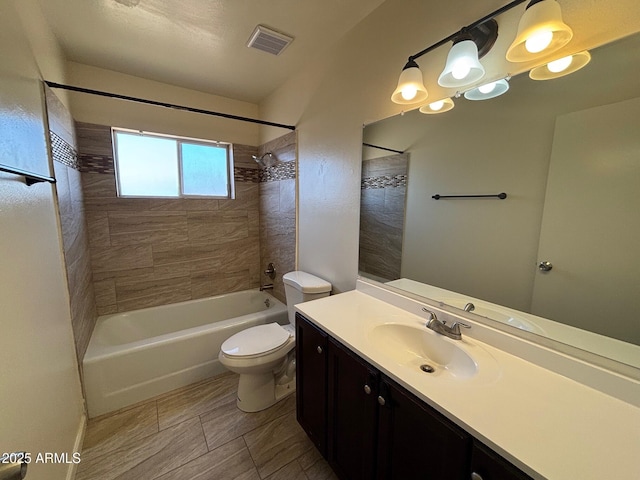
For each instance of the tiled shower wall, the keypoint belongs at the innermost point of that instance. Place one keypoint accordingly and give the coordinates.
(72, 222)
(149, 251)
(384, 184)
(278, 210)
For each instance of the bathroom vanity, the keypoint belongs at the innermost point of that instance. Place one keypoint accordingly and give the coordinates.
(381, 396)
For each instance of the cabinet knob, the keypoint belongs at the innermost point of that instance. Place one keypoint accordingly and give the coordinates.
(475, 476)
(319, 349)
(381, 400)
(367, 389)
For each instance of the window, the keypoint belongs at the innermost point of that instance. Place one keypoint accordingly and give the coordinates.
(154, 165)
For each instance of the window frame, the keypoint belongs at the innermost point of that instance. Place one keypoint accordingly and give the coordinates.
(179, 141)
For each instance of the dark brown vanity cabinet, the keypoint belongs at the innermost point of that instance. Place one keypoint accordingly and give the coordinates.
(311, 381)
(369, 427)
(488, 465)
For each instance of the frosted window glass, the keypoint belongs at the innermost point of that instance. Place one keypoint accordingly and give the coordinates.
(204, 170)
(147, 166)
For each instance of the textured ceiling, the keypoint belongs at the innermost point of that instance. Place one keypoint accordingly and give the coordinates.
(200, 44)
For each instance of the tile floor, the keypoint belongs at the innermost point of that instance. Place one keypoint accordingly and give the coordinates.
(198, 433)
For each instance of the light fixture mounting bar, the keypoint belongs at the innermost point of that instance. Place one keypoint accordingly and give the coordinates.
(451, 37)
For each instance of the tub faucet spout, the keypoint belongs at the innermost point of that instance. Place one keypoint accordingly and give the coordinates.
(266, 287)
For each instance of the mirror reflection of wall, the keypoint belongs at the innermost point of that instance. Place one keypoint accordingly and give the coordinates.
(382, 205)
(488, 248)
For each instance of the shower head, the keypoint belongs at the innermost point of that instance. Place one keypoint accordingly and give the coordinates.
(266, 160)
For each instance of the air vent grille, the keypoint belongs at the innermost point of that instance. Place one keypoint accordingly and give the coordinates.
(268, 40)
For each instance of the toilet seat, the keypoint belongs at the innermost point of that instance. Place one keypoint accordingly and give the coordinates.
(256, 341)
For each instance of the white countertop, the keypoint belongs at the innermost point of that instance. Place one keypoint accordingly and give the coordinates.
(550, 426)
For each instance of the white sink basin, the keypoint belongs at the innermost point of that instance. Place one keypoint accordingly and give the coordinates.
(414, 347)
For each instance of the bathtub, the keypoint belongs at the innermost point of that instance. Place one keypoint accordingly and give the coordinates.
(137, 355)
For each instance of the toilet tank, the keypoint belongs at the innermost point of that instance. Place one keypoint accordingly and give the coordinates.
(301, 287)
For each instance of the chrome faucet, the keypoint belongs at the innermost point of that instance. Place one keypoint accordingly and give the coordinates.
(266, 287)
(440, 326)
(469, 307)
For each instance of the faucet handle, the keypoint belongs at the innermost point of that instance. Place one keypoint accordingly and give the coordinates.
(456, 326)
(432, 316)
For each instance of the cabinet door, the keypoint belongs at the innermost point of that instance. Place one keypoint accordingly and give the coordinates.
(352, 414)
(311, 381)
(416, 442)
(488, 465)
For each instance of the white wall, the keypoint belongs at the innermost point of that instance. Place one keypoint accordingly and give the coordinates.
(121, 113)
(41, 406)
(351, 85)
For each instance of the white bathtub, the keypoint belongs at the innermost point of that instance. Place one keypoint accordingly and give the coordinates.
(137, 355)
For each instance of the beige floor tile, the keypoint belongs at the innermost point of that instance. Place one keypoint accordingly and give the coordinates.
(315, 467)
(146, 458)
(228, 422)
(291, 471)
(309, 458)
(108, 432)
(277, 443)
(231, 461)
(320, 471)
(196, 400)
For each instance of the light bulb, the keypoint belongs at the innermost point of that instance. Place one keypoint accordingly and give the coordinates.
(435, 106)
(460, 70)
(409, 92)
(560, 65)
(538, 41)
(487, 88)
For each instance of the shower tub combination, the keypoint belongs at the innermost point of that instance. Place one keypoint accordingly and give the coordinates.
(137, 355)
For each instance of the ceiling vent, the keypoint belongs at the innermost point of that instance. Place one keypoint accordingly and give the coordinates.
(268, 40)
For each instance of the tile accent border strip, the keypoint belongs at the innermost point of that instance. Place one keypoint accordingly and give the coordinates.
(246, 175)
(63, 152)
(281, 171)
(96, 164)
(384, 181)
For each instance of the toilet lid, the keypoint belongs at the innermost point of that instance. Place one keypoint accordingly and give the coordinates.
(255, 340)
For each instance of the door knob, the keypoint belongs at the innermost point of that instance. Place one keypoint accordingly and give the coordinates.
(545, 266)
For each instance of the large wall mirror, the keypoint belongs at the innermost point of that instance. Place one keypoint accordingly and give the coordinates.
(567, 153)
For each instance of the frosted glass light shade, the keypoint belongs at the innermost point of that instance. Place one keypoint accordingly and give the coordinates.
(488, 90)
(410, 87)
(440, 106)
(541, 31)
(462, 67)
(543, 72)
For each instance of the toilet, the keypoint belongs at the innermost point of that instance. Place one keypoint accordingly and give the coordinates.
(264, 355)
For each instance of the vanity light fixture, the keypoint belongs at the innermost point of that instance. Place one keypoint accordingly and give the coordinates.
(561, 67)
(410, 87)
(482, 33)
(463, 65)
(440, 106)
(488, 90)
(541, 31)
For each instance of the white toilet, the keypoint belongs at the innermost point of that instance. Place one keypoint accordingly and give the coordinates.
(264, 355)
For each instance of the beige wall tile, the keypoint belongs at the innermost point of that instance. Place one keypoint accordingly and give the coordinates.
(105, 292)
(147, 227)
(105, 259)
(142, 244)
(98, 185)
(132, 294)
